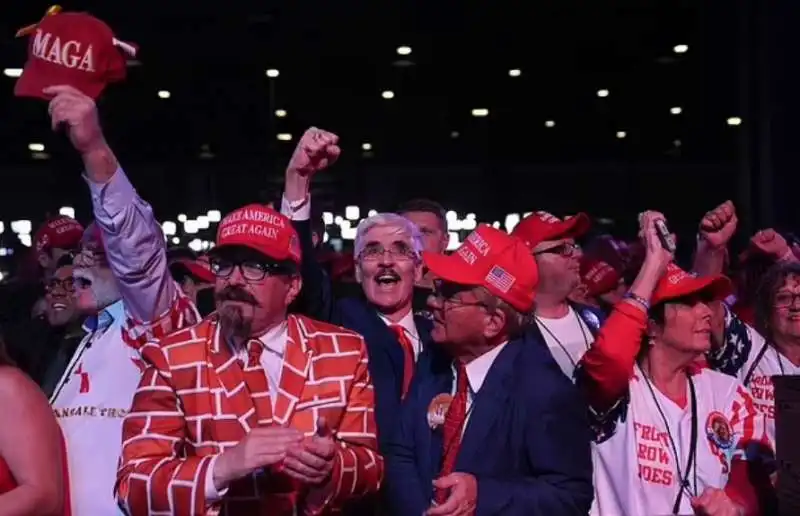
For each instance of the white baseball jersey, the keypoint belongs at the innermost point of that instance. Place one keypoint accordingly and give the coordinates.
(645, 440)
(746, 355)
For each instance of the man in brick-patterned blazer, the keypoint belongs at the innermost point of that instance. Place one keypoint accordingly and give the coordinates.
(251, 411)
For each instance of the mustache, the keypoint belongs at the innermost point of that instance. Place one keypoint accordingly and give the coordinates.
(387, 271)
(236, 294)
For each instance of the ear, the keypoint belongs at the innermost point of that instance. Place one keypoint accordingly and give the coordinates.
(653, 329)
(315, 238)
(495, 323)
(293, 290)
(44, 260)
(418, 272)
(357, 271)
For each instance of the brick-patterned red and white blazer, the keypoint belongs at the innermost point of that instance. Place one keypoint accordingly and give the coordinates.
(193, 403)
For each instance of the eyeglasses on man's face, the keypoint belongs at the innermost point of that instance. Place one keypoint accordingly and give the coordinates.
(251, 270)
(566, 249)
(399, 251)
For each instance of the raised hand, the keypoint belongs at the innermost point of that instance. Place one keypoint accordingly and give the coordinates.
(656, 257)
(771, 243)
(316, 150)
(718, 225)
(79, 113)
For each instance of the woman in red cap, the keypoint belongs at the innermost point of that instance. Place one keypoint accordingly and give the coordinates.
(31, 450)
(670, 437)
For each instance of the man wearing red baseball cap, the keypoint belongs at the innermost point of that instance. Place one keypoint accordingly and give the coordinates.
(196, 280)
(294, 430)
(122, 282)
(567, 328)
(601, 285)
(55, 238)
(494, 396)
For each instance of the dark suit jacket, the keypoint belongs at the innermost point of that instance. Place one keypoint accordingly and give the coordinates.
(355, 313)
(527, 441)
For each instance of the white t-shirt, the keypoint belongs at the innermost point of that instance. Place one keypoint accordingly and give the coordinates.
(568, 338)
(635, 463)
(90, 403)
(746, 355)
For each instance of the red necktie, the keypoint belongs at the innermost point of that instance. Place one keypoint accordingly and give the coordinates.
(453, 426)
(256, 380)
(408, 356)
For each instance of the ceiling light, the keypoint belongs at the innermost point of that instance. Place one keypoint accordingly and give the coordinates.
(164, 94)
(214, 215)
(273, 72)
(455, 134)
(403, 51)
(280, 113)
(12, 72)
(176, 240)
(675, 111)
(550, 123)
(680, 49)
(67, 211)
(366, 146)
(734, 120)
(602, 93)
(621, 134)
(388, 94)
(36, 147)
(514, 72)
(480, 112)
(284, 137)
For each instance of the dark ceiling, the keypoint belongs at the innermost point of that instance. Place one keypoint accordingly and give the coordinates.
(335, 59)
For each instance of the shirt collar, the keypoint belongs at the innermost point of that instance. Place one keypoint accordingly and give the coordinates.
(275, 338)
(479, 367)
(106, 317)
(407, 323)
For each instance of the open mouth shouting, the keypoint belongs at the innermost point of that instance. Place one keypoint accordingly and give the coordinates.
(387, 279)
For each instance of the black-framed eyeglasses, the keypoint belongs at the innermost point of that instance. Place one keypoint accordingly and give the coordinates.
(786, 299)
(66, 284)
(251, 270)
(399, 251)
(566, 249)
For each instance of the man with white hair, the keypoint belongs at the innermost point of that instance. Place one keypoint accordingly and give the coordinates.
(387, 252)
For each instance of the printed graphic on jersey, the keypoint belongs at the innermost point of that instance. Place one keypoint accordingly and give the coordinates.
(437, 410)
(718, 430)
(652, 451)
(84, 379)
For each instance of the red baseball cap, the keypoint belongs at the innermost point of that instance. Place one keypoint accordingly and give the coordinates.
(677, 283)
(492, 259)
(75, 49)
(262, 229)
(598, 276)
(542, 226)
(58, 233)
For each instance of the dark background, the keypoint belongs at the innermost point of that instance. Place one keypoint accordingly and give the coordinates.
(213, 144)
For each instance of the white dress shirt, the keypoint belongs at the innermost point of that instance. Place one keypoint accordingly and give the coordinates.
(476, 375)
(274, 342)
(410, 329)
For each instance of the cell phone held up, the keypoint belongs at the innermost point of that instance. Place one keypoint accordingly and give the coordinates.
(667, 242)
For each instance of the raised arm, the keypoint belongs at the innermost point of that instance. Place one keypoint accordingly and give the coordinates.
(131, 235)
(605, 370)
(315, 151)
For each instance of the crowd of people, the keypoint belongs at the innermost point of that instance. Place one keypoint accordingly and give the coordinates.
(519, 374)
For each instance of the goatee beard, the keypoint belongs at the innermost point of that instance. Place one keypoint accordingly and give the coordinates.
(235, 327)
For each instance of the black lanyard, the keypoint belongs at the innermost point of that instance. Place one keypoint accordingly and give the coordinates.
(562, 346)
(691, 462)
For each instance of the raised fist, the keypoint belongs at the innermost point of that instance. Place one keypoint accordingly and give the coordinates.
(316, 150)
(79, 113)
(719, 225)
(771, 243)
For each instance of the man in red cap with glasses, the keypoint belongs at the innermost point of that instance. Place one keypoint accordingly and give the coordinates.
(496, 428)
(122, 282)
(567, 328)
(273, 413)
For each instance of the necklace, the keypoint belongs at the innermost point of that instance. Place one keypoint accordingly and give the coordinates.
(691, 463)
(560, 344)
